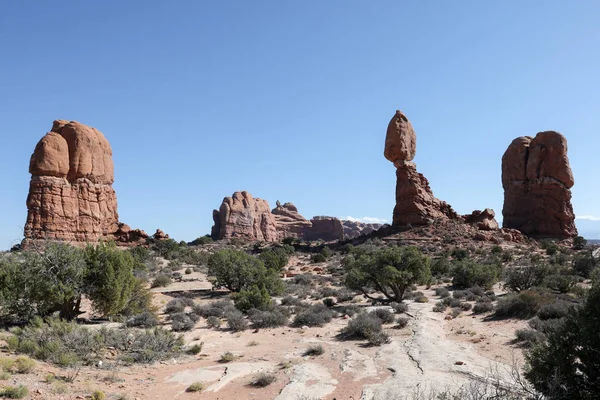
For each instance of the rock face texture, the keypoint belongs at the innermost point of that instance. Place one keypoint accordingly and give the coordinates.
(325, 228)
(354, 229)
(415, 202)
(242, 216)
(70, 194)
(537, 181)
(484, 220)
(289, 222)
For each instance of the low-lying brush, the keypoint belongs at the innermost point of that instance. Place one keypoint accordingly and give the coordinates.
(315, 350)
(146, 319)
(399, 308)
(524, 305)
(161, 280)
(69, 344)
(14, 392)
(263, 379)
(316, 315)
(270, 318)
(236, 321)
(442, 292)
(481, 308)
(529, 337)
(181, 322)
(384, 315)
(365, 326)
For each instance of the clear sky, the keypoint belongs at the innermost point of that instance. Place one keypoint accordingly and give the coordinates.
(290, 100)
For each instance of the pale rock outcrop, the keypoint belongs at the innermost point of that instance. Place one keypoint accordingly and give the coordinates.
(289, 222)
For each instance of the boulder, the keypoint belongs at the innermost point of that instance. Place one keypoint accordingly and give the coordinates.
(484, 220)
(242, 216)
(537, 181)
(325, 228)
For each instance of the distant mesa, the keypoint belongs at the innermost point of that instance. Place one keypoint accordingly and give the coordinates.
(537, 181)
(71, 197)
(246, 217)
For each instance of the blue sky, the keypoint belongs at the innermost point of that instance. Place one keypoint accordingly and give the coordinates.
(291, 100)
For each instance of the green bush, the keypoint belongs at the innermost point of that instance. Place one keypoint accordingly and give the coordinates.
(584, 264)
(364, 326)
(253, 297)
(146, 319)
(315, 350)
(440, 267)
(442, 292)
(524, 305)
(401, 322)
(468, 273)
(525, 277)
(579, 242)
(274, 259)
(237, 271)
(389, 271)
(181, 322)
(201, 241)
(566, 365)
(481, 308)
(195, 387)
(529, 337)
(14, 392)
(161, 280)
(399, 308)
(549, 245)
(560, 283)
(384, 315)
(460, 254)
(329, 302)
(213, 322)
(195, 349)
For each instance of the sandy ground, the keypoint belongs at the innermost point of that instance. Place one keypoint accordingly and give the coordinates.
(430, 352)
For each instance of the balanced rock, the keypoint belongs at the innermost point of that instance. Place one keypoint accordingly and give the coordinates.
(415, 202)
(242, 216)
(289, 222)
(537, 181)
(70, 193)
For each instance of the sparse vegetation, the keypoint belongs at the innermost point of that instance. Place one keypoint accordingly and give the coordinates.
(316, 315)
(227, 357)
(365, 326)
(263, 379)
(161, 280)
(315, 350)
(195, 387)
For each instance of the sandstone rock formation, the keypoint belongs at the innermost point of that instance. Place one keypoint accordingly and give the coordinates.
(537, 179)
(354, 229)
(242, 216)
(289, 222)
(325, 228)
(484, 220)
(130, 237)
(415, 202)
(70, 194)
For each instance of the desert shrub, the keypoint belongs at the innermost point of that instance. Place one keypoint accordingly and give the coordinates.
(460, 294)
(290, 301)
(525, 277)
(195, 349)
(442, 292)
(98, 395)
(213, 322)
(237, 271)
(524, 305)
(271, 318)
(466, 306)
(350, 310)
(467, 273)
(69, 344)
(399, 308)
(560, 283)
(329, 302)
(236, 321)
(263, 379)
(14, 392)
(343, 295)
(195, 387)
(146, 319)
(214, 309)
(440, 267)
(227, 357)
(584, 264)
(566, 365)
(421, 299)
(188, 271)
(315, 350)
(175, 305)
(181, 322)
(316, 315)
(546, 326)
(201, 241)
(401, 322)
(304, 279)
(549, 245)
(22, 365)
(481, 308)
(362, 326)
(529, 337)
(389, 271)
(579, 242)
(451, 302)
(556, 309)
(161, 280)
(378, 338)
(110, 278)
(253, 297)
(274, 259)
(496, 249)
(384, 315)
(439, 307)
